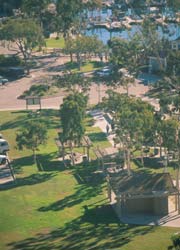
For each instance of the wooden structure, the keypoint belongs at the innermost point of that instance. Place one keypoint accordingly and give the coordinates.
(106, 157)
(63, 146)
(142, 193)
(33, 100)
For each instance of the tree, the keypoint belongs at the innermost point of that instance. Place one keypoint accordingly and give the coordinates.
(169, 135)
(152, 45)
(73, 82)
(174, 4)
(93, 4)
(39, 11)
(68, 12)
(72, 113)
(134, 121)
(22, 35)
(8, 6)
(125, 60)
(176, 240)
(83, 47)
(168, 92)
(35, 8)
(125, 54)
(31, 136)
(173, 65)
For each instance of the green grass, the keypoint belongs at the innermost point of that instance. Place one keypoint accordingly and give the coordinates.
(62, 208)
(85, 67)
(55, 43)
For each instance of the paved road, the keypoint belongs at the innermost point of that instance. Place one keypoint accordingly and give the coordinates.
(48, 66)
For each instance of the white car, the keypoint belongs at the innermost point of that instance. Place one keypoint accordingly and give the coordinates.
(3, 159)
(106, 71)
(4, 146)
(3, 80)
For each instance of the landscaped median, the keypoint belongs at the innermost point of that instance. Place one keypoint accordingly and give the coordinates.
(63, 208)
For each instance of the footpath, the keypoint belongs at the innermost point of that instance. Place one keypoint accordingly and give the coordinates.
(102, 123)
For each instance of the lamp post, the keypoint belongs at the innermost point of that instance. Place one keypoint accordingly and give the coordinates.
(165, 163)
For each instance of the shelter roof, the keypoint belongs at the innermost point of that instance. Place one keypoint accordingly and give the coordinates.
(103, 152)
(141, 183)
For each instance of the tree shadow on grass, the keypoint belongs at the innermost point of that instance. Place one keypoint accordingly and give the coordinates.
(82, 193)
(87, 174)
(97, 229)
(50, 118)
(29, 180)
(19, 163)
(15, 123)
(90, 185)
(49, 162)
(45, 162)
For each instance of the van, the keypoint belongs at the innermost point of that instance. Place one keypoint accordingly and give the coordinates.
(4, 146)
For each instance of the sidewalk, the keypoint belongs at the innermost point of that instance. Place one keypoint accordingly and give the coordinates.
(101, 122)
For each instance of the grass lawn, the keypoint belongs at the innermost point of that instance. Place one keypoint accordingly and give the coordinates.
(85, 67)
(63, 209)
(55, 43)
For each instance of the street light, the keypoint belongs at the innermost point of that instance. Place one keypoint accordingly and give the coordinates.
(165, 163)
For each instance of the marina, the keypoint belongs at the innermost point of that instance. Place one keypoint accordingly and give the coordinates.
(106, 23)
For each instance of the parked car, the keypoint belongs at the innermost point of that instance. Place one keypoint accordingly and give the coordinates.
(106, 71)
(4, 146)
(17, 72)
(3, 80)
(3, 159)
(12, 72)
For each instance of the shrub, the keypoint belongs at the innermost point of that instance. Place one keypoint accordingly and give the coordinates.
(176, 240)
(35, 90)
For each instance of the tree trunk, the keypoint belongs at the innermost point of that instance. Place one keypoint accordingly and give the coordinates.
(178, 172)
(63, 155)
(128, 162)
(125, 159)
(127, 89)
(142, 157)
(34, 156)
(165, 160)
(78, 60)
(72, 155)
(71, 56)
(160, 149)
(26, 64)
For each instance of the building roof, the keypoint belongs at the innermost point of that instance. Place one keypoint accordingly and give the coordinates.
(141, 183)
